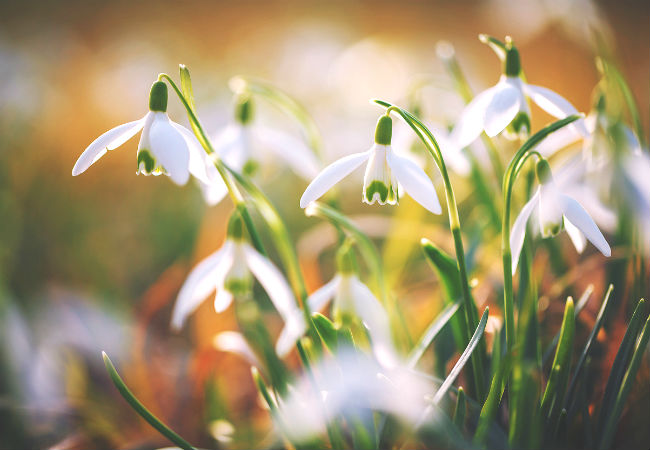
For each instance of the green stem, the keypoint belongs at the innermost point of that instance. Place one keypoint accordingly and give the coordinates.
(471, 319)
(141, 409)
(508, 182)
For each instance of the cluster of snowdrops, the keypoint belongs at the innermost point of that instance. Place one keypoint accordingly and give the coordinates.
(356, 389)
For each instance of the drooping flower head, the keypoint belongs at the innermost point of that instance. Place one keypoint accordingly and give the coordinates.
(386, 174)
(505, 105)
(165, 147)
(556, 211)
(230, 271)
(354, 302)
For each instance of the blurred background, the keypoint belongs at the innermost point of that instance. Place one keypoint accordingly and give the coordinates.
(95, 262)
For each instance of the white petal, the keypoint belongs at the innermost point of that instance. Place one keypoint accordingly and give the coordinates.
(550, 209)
(375, 318)
(578, 239)
(453, 156)
(233, 342)
(331, 175)
(320, 297)
(581, 219)
(415, 182)
(558, 140)
(169, 148)
(503, 107)
(294, 328)
(296, 153)
(518, 232)
(272, 281)
(232, 144)
(107, 141)
(555, 105)
(199, 159)
(202, 280)
(222, 300)
(470, 124)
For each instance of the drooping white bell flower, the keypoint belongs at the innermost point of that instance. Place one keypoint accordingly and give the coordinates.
(244, 143)
(505, 105)
(165, 147)
(556, 210)
(230, 272)
(353, 299)
(384, 171)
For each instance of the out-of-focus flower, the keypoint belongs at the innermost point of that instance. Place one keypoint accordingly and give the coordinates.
(384, 171)
(352, 386)
(234, 342)
(229, 270)
(555, 211)
(505, 104)
(165, 147)
(352, 298)
(244, 143)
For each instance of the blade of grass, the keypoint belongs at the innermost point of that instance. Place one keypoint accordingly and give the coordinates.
(577, 375)
(582, 302)
(626, 386)
(553, 397)
(141, 409)
(620, 362)
(460, 410)
(430, 334)
(493, 399)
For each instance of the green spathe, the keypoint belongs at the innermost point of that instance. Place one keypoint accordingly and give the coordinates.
(243, 109)
(384, 130)
(235, 227)
(158, 97)
(543, 172)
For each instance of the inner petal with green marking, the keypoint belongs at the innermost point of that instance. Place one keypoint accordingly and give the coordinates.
(379, 184)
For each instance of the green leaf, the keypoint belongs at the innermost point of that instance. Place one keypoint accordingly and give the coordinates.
(186, 86)
(618, 367)
(141, 409)
(626, 386)
(459, 411)
(326, 330)
(553, 397)
(430, 333)
(455, 371)
(493, 399)
(577, 375)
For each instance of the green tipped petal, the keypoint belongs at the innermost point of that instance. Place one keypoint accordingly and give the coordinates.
(146, 162)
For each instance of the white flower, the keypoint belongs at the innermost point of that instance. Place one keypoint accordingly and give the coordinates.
(505, 105)
(229, 271)
(244, 143)
(352, 298)
(384, 171)
(555, 211)
(165, 147)
(233, 342)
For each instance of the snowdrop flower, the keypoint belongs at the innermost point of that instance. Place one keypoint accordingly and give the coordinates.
(165, 147)
(384, 171)
(230, 272)
(243, 143)
(505, 105)
(555, 211)
(352, 386)
(353, 299)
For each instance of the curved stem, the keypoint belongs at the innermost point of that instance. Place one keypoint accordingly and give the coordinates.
(471, 316)
(508, 182)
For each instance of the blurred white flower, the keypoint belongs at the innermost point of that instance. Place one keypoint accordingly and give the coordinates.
(506, 105)
(229, 271)
(352, 386)
(555, 211)
(384, 171)
(165, 147)
(234, 342)
(244, 144)
(353, 298)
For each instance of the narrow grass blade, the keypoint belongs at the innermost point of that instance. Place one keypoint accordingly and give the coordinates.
(582, 302)
(141, 409)
(459, 412)
(493, 399)
(553, 397)
(524, 388)
(326, 330)
(430, 334)
(626, 386)
(577, 374)
(620, 362)
(473, 343)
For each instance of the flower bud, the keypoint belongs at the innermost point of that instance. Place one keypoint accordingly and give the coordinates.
(543, 172)
(384, 130)
(158, 97)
